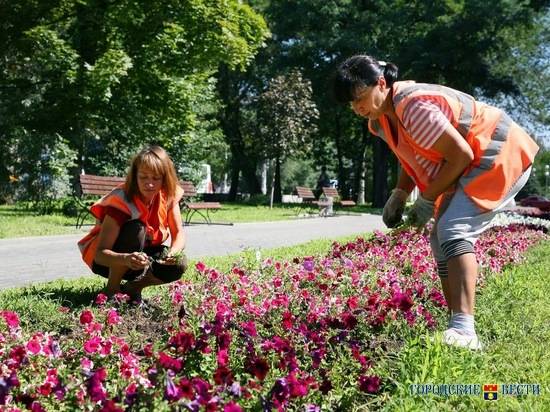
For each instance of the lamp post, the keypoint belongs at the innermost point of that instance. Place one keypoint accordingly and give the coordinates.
(546, 174)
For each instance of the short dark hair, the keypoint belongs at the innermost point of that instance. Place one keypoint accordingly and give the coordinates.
(360, 71)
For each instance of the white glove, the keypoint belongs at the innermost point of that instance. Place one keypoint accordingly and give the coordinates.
(421, 212)
(394, 207)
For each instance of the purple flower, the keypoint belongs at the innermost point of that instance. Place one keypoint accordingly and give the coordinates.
(308, 264)
(369, 384)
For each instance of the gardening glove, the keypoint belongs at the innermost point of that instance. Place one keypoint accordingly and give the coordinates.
(394, 207)
(421, 212)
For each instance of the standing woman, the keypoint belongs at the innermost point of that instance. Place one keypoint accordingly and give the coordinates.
(133, 222)
(468, 160)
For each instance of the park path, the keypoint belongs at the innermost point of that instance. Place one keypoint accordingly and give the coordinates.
(24, 261)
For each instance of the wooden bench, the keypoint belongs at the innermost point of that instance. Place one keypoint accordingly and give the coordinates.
(92, 187)
(333, 192)
(189, 207)
(308, 198)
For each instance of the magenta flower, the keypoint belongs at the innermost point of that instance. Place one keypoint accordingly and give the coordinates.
(223, 375)
(11, 318)
(369, 384)
(183, 342)
(298, 387)
(232, 407)
(250, 328)
(402, 301)
(95, 387)
(168, 362)
(111, 406)
(113, 318)
(186, 388)
(92, 345)
(258, 367)
(34, 346)
(200, 266)
(86, 316)
(222, 357)
(101, 299)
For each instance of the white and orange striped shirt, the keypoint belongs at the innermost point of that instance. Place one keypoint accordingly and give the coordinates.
(425, 118)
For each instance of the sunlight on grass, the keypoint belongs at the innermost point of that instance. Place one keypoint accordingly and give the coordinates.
(17, 221)
(512, 320)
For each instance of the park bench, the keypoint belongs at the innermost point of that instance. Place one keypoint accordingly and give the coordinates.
(92, 187)
(333, 192)
(308, 198)
(190, 207)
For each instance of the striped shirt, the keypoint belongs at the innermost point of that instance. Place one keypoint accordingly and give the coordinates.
(425, 118)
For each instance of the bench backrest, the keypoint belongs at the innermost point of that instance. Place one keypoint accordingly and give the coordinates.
(304, 192)
(98, 185)
(331, 192)
(188, 188)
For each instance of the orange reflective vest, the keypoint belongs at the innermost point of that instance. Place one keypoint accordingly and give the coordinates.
(502, 150)
(155, 220)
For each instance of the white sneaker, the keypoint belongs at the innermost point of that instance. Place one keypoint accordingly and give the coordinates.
(454, 338)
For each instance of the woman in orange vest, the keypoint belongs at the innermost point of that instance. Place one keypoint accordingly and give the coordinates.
(468, 160)
(133, 223)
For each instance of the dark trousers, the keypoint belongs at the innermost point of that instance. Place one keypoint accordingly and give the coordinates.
(132, 239)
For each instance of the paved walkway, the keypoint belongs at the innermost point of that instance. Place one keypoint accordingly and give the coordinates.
(38, 259)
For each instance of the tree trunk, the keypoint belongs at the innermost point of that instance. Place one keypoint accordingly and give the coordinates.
(278, 194)
(228, 88)
(380, 173)
(342, 175)
(360, 166)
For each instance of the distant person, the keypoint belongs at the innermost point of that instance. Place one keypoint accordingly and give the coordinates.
(322, 181)
(133, 222)
(468, 160)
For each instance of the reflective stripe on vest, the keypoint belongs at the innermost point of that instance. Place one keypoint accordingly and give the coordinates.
(132, 208)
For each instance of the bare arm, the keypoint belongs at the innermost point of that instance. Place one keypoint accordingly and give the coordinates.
(457, 154)
(405, 182)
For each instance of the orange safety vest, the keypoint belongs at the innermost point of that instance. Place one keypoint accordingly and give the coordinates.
(502, 150)
(155, 220)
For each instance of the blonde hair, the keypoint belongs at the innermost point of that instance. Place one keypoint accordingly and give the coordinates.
(158, 161)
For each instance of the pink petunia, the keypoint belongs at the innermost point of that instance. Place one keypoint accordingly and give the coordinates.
(33, 345)
(232, 407)
(222, 357)
(92, 345)
(11, 318)
(113, 318)
(86, 317)
(101, 299)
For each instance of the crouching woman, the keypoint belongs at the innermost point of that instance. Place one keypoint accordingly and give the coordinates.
(133, 223)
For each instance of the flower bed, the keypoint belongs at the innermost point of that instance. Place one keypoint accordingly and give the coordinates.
(304, 334)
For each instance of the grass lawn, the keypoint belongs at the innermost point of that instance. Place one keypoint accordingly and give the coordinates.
(18, 221)
(513, 312)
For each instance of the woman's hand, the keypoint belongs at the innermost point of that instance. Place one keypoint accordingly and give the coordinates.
(136, 260)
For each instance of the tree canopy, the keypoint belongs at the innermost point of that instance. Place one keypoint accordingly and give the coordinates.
(86, 82)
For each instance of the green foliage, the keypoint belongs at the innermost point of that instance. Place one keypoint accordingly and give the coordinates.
(466, 44)
(42, 169)
(287, 116)
(109, 77)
